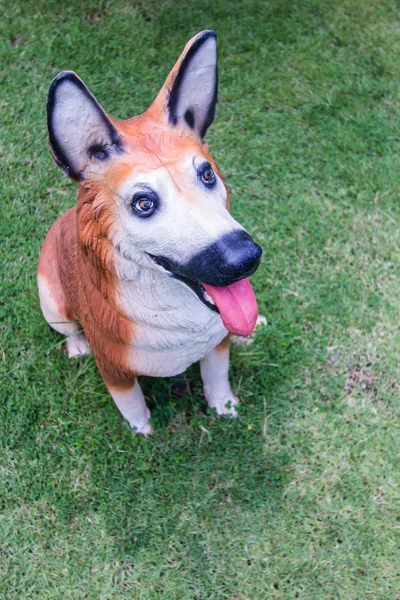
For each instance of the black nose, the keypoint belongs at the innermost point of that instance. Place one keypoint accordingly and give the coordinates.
(232, 258)
(240, 255)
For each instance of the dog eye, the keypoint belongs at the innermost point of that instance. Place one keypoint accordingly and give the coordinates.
(98, 152)
(143, 205)
(207, 175)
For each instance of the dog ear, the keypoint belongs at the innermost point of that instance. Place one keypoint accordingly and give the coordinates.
(189, 95)
(79, 129)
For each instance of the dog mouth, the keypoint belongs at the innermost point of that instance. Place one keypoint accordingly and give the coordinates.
(234, 301)
(196, 286)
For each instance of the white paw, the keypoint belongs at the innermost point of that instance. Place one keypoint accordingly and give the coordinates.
(145, 429)
(140, 422)
(225, 406)
(261, 321)
(77, 345)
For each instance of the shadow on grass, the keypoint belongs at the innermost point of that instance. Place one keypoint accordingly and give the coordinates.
(79, 456)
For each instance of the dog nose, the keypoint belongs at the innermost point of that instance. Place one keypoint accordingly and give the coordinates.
(231, 258)
(240, 255)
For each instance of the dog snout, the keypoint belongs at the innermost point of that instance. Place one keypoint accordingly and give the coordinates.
(240, 254)
(231, 258)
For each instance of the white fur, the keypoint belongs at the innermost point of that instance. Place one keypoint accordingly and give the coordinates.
(189, 218)
(77, 345)
(214, 369)
(51, 311)
(173, 328)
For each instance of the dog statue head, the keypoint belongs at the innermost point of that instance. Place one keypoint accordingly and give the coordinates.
(150, 191)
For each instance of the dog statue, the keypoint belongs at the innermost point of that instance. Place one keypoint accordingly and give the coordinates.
(149, 263)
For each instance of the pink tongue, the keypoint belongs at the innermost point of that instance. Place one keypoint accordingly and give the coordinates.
(237, 305)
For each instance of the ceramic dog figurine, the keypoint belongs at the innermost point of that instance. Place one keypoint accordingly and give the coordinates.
(149, 264)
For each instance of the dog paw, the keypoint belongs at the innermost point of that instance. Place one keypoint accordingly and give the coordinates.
(145, 429)
(77, 345)
(140, 422)
(225, 406)
(261, 321)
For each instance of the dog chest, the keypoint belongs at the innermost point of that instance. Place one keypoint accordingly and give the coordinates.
(171, 328)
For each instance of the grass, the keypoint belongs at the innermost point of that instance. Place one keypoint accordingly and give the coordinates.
(299, 497)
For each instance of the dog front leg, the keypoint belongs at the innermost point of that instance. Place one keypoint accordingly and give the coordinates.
(214, 368)
(128, 397)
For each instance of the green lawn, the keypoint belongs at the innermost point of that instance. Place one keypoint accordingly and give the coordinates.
(299, 497)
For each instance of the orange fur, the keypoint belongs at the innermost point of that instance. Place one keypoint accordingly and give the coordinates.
(76, 261)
